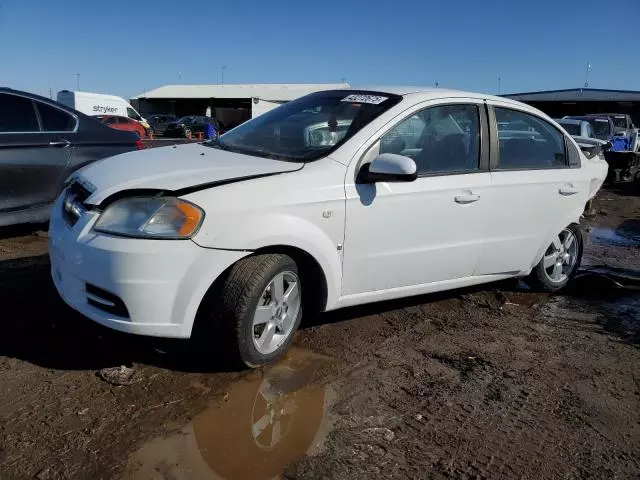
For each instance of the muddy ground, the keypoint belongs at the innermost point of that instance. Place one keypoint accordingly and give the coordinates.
(491, 382)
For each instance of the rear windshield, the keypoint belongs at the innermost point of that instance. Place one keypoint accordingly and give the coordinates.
(619, 121)
(571, 128)
(308, 128)
(600, 127)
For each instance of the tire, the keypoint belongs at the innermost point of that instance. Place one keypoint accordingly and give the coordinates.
(564, 252)
(187, 132)
(248, 286)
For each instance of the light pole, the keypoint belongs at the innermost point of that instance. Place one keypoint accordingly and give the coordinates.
(224, 67)
(499, 81)
(586, 75)
(78, 81)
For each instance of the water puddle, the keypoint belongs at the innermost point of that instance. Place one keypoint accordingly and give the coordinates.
(264, 423)
(619, 237)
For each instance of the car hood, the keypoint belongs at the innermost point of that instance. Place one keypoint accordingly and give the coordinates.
(175, 168)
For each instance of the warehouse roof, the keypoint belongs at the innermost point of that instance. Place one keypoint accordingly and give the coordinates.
(577, 95)
(265, 91)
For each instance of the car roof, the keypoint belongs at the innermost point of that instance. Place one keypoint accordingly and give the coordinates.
(428, 93)
(588, 117)
(570, 121)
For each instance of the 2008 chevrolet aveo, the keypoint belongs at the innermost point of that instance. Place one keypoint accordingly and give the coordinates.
(338, 198)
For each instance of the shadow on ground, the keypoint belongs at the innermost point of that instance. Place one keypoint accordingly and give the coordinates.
(39, 328)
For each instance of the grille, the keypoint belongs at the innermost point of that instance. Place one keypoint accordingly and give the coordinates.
(105, 301)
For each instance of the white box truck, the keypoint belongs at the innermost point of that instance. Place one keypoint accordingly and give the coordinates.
(94, 104)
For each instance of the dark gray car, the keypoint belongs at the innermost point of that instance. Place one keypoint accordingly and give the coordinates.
(41, 143)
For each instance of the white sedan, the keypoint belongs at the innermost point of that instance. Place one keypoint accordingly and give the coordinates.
(339, 198)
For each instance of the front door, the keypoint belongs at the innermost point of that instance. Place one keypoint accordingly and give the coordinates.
(32, 160)
(430, 230)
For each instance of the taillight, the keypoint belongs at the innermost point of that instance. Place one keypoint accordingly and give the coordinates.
(139, 145)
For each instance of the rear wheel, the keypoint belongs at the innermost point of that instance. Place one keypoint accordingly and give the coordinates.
(560, 261)
(187, 133)
(259, 308)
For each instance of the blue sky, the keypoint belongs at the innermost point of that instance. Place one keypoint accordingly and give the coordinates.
(127, 47)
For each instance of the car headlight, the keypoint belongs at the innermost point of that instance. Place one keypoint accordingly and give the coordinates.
(151, 217)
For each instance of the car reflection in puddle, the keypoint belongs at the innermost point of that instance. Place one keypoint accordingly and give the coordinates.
(265, 422)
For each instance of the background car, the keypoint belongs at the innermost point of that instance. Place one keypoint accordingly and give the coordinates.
(123, 123)
(158, 123)
(41, 143)
(582, 133)
(191, 125)
(603, 128)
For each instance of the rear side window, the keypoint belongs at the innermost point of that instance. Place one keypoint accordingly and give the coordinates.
(54, 119)
(17, 114)
(527, 141)
(111, 121)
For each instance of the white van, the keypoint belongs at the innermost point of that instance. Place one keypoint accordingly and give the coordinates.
(93, 104)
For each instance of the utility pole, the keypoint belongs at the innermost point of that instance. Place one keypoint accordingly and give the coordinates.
(224, 67)
(50, 93)
(586, 75)
(78, 81)
(499, 81)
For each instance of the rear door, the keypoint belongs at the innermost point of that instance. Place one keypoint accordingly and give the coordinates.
(34, 154)
(537, 187)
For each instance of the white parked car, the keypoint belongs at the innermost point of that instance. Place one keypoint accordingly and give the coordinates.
(339, 198)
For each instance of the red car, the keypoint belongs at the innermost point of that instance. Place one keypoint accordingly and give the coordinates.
(123, 123)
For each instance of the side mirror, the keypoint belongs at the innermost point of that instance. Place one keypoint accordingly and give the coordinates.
(389, 167)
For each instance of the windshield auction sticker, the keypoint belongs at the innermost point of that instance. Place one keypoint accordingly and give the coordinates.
(372, 99)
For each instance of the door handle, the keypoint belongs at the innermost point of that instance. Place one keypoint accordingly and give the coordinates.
(568, 190)
(467, 198)
(60, 143)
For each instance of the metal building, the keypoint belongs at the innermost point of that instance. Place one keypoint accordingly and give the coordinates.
(580, 101)
(231, 104)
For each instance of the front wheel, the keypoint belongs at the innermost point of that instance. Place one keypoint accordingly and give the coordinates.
(560, 261)
(259, 308)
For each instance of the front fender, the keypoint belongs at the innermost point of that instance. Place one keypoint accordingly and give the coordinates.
(281, 229)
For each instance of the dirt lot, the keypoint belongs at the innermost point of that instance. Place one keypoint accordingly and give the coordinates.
(492, 382)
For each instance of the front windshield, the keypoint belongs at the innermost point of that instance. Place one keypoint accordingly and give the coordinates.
(307, 128)
(189, 119)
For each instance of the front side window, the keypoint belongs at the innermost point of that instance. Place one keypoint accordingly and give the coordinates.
(55, 120)
(528, 142)
(443, 139)
(17, 114)
(307, 128)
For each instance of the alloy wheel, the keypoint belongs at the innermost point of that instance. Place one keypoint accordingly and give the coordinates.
(276, 313)
(560, 258)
